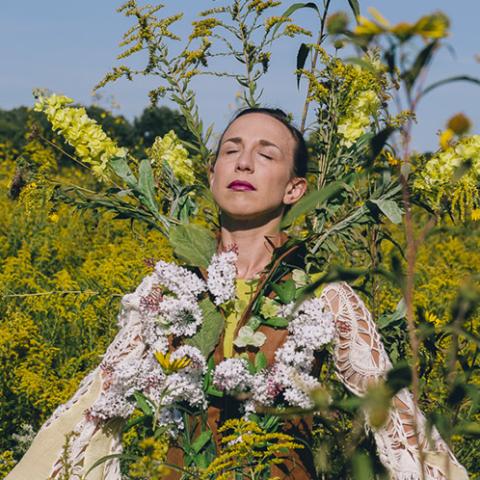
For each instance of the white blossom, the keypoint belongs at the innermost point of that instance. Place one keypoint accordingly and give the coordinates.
(232, 376)
(198, 365)
(265, 387)
(179, 280)
(180, 316)
(312, 327)
(182, 387)
(291, 354)
(172, 419)
(285, 310)
(222, 272)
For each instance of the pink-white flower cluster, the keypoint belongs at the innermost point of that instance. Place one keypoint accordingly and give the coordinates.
(167, 304)
(232, 376)
(287, 380)
(222, 272)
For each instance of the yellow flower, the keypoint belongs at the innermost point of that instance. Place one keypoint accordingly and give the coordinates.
(432, 318)
(433, 26)
(403, 30)
(151, 465)
(203, 28)
(170, 149)
(269, 308)
(53, 217)
(91, 143)
(460, 124)
(171, 366)
(368, 28)
(391, 159)
(475, 215)
(270, 22)
(357, 119)
(260, 5)
(446, 138)
(291, 30)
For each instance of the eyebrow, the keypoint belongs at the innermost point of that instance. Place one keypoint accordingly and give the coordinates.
(264, 143)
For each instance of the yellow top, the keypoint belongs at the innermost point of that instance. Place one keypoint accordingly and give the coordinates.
(245, 289)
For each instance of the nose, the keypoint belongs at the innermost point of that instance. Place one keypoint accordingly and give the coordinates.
(245, 162)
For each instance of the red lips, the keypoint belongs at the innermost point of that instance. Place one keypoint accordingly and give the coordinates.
(241, 186)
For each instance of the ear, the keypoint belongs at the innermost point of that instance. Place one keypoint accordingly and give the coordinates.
(211, 173)
(295, 190)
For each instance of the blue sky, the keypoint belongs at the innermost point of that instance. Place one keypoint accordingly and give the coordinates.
(68, 46)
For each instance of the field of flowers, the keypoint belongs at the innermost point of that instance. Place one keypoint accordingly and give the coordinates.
(81, 218)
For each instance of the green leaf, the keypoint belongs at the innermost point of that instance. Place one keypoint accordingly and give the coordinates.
(421, 61)
(355, 6)
(302, 55)
(468, 428)
(400, 376)
(201, 441)
(445, 81)
(390, 209)
(361, 63)
(194, 244)
(134, 421)
(143, 403)
(378, 142)
(214, 392)
(207, 337)
(120, 456)
(362, 467)
(120, 166)
(276, 322)
(293, 8)
(399, 313)
(260, 361)
(310, 201)
(285, 291)
(146, 185)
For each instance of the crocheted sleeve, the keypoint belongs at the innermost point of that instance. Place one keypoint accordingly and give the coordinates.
(85, 417)
(361, 360)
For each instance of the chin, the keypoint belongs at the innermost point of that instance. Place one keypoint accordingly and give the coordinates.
(251, 215)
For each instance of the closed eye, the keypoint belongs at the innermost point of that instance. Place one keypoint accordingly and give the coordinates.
(266, 156)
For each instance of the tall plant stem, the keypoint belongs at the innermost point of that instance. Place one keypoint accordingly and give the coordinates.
(314, 64)
(408, 292)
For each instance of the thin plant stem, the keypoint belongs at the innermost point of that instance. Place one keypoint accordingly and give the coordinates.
(314, 63)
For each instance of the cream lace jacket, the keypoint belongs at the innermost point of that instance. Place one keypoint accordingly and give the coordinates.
(360, 359)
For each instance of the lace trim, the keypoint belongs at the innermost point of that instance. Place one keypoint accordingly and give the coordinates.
(360, 360)
(127, 344)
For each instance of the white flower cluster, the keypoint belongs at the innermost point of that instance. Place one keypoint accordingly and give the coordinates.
(146, 375)
(312, 326)
(222, 272)
(121, 381)
(232, 376)
(180, 317)
(179, 280)
(165, 303)
(309, 330)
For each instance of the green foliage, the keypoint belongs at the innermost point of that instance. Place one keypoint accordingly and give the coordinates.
(207, 337)
(62, 276)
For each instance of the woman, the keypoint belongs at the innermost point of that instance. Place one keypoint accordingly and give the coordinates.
(259, 171)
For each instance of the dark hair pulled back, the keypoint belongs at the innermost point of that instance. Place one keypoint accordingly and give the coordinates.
(300, 153)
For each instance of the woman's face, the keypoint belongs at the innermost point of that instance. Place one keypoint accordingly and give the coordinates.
(252, 177)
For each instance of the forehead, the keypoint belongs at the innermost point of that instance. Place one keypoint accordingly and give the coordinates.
(254, 127)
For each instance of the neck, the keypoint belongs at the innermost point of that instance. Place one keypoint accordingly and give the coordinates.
(255, 243)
